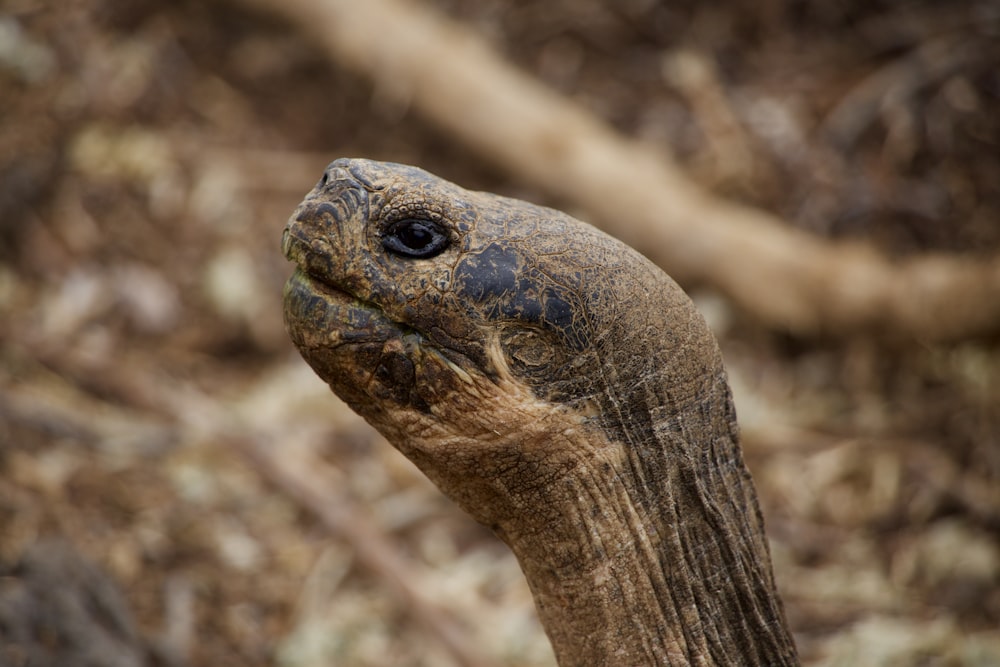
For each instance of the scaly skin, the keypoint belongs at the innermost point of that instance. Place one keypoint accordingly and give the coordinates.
(562, 390)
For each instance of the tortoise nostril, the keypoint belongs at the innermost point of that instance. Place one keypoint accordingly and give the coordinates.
(333, 174)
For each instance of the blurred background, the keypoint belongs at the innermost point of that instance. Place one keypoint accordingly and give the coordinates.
(150, 154)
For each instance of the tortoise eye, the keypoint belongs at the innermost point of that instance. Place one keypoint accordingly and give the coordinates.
(415, 238)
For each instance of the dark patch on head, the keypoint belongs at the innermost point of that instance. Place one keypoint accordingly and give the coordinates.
(505, 287)
(491, 273)
(522, 304)
(558, 312)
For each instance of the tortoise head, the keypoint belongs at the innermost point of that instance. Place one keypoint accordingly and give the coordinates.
(443, 315)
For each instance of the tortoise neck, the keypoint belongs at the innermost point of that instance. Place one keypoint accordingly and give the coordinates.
(657, 558)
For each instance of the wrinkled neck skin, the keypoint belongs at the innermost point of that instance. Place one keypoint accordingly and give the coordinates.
(678, 577)
(650, 552)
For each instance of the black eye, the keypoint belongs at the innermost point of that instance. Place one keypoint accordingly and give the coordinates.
(415, 238)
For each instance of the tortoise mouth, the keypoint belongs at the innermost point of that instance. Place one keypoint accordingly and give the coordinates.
(320, 315)
(313, 265)
(304, 280)
(309, 256)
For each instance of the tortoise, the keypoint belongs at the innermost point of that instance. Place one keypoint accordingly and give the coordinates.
(562, 390)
